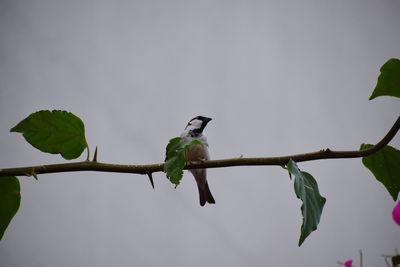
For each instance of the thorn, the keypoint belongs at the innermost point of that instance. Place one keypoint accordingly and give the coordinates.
(95, 155)
(151, 179)
(32, 173)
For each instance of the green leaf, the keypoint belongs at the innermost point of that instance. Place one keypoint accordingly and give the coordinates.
(385, 166)
(56, 132)
(395, 260)
(175, 159)
(389, 80)
(10, 199)
(306, 189)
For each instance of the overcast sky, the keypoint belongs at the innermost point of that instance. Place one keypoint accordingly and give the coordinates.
(277, 77)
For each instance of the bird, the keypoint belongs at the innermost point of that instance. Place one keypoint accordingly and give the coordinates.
(198, 152)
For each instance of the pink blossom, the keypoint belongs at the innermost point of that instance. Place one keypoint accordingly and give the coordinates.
(348, 263)
(396, 213)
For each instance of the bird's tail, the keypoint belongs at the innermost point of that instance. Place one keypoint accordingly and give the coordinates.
(205, 195)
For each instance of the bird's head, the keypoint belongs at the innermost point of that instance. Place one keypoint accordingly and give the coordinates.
(196, 125)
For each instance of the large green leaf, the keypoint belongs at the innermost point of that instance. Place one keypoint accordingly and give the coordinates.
(385, 166)
(175, 159)
(389, 80)
(10, 199)
(306, 189)
(56, 132)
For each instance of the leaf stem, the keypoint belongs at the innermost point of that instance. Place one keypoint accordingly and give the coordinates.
(88, 152)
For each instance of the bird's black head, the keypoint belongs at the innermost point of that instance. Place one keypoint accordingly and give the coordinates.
(197, 125)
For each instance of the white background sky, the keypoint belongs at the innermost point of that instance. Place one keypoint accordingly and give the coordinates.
(277, 77)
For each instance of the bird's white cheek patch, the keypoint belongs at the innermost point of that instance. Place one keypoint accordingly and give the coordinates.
(196, 123)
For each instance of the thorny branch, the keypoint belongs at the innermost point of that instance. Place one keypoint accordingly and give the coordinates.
(148, 169)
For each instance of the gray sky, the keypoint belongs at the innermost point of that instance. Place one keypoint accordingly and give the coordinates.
(277, 77)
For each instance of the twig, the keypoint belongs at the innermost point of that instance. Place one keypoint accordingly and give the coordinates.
(241, 161)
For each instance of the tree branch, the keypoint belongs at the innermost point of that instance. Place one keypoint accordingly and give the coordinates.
(151, 168)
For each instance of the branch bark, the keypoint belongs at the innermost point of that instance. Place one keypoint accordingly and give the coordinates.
(241, 161)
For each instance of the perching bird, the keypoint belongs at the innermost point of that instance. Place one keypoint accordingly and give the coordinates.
(197, 152)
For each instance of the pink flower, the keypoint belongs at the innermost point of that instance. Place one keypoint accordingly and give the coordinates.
(396, 213)
(348, 263)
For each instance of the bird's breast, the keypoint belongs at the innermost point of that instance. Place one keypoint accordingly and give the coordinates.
(197, 152)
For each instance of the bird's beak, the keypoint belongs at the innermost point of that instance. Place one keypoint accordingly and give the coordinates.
(206, 120)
